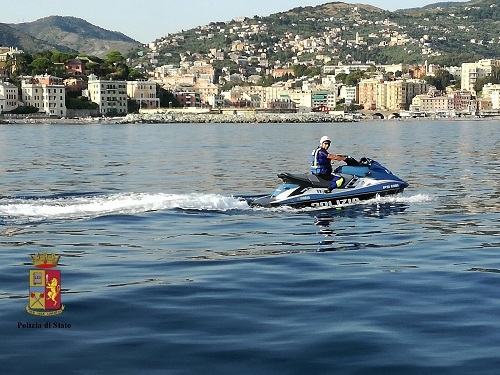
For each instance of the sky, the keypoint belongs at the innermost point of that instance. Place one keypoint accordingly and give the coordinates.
(148, 20)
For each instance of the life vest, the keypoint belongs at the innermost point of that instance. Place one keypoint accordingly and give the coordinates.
(316, 168)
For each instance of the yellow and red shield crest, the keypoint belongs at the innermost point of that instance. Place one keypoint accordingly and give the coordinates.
(45, 286)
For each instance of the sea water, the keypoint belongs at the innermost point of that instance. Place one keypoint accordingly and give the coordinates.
(165, 269)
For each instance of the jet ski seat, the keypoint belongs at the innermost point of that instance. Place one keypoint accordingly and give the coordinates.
(311, 180)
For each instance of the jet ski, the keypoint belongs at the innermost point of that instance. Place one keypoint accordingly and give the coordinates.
(362, 180)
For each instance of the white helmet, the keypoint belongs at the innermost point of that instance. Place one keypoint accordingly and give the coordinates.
(324, 138)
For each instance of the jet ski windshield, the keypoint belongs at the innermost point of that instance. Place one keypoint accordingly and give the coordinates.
(367, 167)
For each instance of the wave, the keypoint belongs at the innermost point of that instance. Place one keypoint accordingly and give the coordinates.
(70, 207)
(402, 198)
(60, 207)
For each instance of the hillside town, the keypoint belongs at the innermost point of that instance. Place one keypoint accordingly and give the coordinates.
(398, 90)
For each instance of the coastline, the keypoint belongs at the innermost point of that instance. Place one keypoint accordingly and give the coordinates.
(225, 118)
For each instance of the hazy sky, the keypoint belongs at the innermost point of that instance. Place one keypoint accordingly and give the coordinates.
(148, 20)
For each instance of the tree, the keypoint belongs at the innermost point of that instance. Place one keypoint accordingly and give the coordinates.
(135, 75)
(167, 98)
(445, 78)
(114, 57)
(454, 59)
(441, 79)
(303, 70)
(61, 57)
(24, 110)
(133, 106)
(41, 65)
(80, 102)
(341, 77)
(493, 78)
(353, 78)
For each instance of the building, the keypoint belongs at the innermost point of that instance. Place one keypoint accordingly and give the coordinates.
(451, 104)
(390, 95)
(207, 91)
(367, 90)
(400, 93)
(433, 104)
(75, 84)
(75, 67)
(462, 100)
(491, 92)
(143, 92)
(45, 92)
(9, 97)
(111, 96)
(284, 104)
(324, 101)
(8, 61)
(495, 100)
(471, 72)
(345, 69)
(349, 94)
(189, 99)
(279, 73)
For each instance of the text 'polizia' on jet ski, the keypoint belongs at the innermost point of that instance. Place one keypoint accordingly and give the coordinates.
(362, 180)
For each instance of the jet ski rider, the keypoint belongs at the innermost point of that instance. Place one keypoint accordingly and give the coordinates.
(321, 165)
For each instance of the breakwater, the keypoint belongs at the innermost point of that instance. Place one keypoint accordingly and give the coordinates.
(221, 118)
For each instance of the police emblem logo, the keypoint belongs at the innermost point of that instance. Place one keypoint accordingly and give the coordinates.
(45, 286)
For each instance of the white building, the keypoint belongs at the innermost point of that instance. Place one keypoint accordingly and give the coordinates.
(45, 92)
(348, 93)
(471, 72)
(492, 92)
(111, 96)
(9, 97)
(143, 92)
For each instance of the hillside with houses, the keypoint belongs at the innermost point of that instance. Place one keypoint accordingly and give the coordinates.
(331, 58)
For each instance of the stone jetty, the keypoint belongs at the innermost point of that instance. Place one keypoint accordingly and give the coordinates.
(222, 118)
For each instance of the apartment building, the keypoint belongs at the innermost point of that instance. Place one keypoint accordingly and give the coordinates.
(367, 90)
(143, 92)
(492, 92)
(349, 94)
(471, 72)
(111, 96)
(463, 100)
(434, 104)
(401, 92)
(189, 99)
(9, 97)
(207, 91)
(452, 103)
(45, 92)
(302, 99)
(390, 95)
(495, 100)
(324, 100)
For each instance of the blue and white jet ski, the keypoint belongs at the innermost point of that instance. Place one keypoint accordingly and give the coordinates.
(363, 180)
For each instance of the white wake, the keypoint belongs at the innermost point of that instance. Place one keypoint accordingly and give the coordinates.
(113, 204)
(84, 207)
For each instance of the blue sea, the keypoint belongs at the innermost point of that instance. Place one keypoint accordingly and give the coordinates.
(165, 269)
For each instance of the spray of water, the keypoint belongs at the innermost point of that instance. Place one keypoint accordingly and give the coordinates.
(39, 209)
